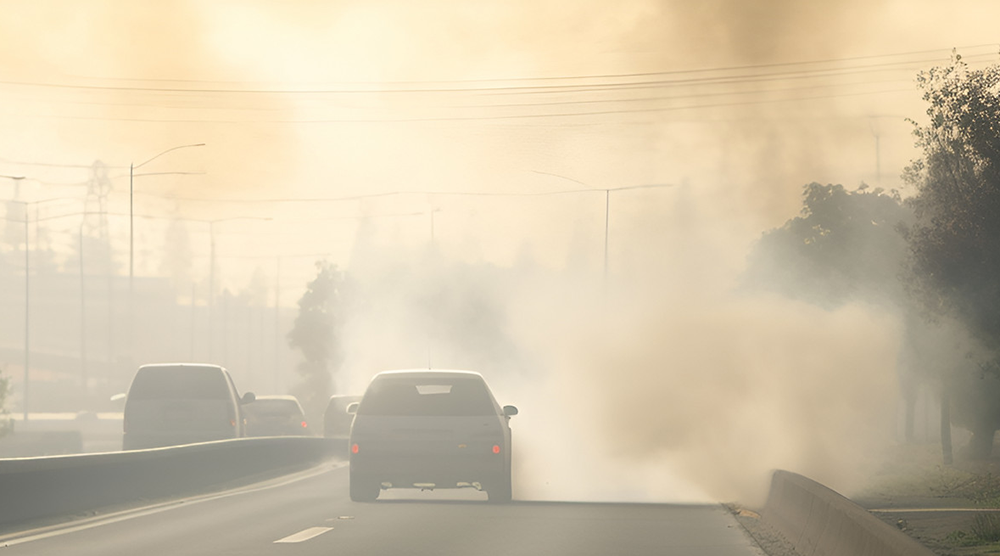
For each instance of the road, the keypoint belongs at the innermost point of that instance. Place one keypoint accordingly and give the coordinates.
(310, 513)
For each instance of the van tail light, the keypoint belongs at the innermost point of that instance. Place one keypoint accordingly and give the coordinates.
(304, 424)
(496, 448)
(354, 448)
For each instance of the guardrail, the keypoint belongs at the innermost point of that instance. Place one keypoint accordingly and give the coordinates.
(62, 486)
(818, 521)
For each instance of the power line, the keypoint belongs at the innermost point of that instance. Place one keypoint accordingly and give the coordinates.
(348, 198)
(50, 165)
(486, 118)
(564, 77)
(220, 90)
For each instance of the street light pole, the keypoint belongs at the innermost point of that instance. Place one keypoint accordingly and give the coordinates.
(607, 229)
(607, 205)
(131, 234)
(131, 229)
(27, 315)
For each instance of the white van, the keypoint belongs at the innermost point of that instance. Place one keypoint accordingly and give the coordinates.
(182, 403)
(430, 430)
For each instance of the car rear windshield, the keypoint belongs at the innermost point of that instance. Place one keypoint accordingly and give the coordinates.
(423, 397)
(185, 383)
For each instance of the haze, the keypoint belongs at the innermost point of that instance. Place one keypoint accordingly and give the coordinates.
(441, 156)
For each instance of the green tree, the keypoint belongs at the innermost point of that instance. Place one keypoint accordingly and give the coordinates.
(845, 246)
(315, 335)
(849, 246)
(955, 240)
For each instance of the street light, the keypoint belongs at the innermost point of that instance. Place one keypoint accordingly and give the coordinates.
(607, 204)
(607, 214)
(131, 210)
(131, 235)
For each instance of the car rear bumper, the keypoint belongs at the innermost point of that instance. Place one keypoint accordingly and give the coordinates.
(404, 470)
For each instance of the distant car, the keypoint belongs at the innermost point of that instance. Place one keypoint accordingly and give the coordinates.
(181, 403)
(430, 430)
(276, 416)
(336, 419)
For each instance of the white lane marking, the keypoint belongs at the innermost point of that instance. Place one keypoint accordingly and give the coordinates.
(930, 510)
(40, 533)
(304, 534)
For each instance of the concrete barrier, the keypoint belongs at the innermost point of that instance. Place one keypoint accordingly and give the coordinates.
(41, 443)
(820, 522)
(62, 486)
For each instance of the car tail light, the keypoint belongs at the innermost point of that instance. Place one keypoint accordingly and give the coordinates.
(232, 422)
(354, 448)
(304, 424)
(496, 448)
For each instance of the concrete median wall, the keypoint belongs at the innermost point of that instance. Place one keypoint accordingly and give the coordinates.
(62, 486)
(821, 522)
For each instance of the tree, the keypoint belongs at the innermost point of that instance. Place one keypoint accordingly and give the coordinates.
(315, 334)
(845, 246)
(955, 240)
(849, 246)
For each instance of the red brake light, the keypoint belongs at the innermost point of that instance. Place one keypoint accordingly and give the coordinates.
(496, 448)
(304, 424)
(354, 449)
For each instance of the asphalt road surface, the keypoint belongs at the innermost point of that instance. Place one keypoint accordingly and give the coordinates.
(310, 513)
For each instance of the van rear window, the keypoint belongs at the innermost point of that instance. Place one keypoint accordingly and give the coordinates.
(179, 383)
(427, 398)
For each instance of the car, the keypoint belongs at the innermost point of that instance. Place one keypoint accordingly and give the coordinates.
(276, 416)
(336, 419)
(430, 430)
(182, 403)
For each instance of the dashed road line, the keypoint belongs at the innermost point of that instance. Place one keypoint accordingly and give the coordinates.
(930, 510)
(304, 535)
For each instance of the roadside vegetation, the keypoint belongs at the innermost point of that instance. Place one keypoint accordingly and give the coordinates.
(931, 257)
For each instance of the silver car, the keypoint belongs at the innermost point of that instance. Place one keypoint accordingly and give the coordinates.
(430, 430)
(182, 403)
(276, 416)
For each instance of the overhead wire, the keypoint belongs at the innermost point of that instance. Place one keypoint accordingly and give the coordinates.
(478, 89)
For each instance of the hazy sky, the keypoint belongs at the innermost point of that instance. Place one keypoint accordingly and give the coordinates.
(330, 99)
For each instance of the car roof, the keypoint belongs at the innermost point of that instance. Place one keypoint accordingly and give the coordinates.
(427, 374)
(279, 397)
(162, 365)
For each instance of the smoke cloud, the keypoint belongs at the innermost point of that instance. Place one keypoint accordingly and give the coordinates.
(660, 383)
